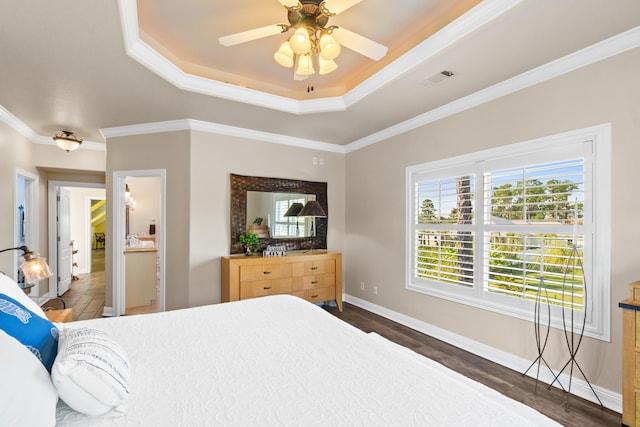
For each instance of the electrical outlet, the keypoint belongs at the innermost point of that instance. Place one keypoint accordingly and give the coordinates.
(362, 286)
(375, 290)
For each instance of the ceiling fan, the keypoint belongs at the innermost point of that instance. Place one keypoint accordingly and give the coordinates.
(312, 37)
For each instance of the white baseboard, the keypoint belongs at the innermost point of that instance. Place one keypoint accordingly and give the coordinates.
(107, 311)
(579, 387)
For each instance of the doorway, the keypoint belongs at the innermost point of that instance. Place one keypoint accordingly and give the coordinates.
(71, 236)
(138, 241)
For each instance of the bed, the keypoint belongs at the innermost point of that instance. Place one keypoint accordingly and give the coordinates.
(281, 361)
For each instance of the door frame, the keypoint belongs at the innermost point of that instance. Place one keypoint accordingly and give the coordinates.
(31, 225)
(52, 192)
(118, 227)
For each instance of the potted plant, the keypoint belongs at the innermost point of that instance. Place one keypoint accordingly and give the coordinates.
(249, 240)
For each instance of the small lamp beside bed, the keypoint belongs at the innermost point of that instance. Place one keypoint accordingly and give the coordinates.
(33, 266)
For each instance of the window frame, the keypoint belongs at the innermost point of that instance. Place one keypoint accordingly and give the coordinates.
(595, 142)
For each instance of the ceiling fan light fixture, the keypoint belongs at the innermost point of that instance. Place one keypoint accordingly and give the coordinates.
(329, 47)
(67, 140)
(326, 65)
(284, 55)
(305, 66)
(300, 41)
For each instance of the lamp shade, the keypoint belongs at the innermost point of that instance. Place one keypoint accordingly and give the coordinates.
(329, 47)
(67, 140)
(284, 55)
(300, 41)
(326, 65)
(294, 209)
(305, 66)
(34, 267)
(312, 208)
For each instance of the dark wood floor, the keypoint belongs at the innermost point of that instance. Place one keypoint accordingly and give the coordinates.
(554, 403)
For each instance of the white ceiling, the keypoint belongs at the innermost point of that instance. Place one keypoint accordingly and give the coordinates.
(90, 66)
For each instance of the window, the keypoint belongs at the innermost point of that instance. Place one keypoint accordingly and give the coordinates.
(498, 228)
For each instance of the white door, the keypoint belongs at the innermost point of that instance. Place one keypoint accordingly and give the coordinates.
(64, 240)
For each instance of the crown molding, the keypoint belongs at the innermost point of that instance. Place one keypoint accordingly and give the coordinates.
(597, 52)
(587, 56)
(23, 129)
(147, 56)
(218, 129)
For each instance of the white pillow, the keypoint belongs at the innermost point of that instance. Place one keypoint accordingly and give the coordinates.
(10, 288)
(91, 371)
(27, 397)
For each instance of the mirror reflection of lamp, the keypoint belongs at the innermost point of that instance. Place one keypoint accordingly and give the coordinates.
(313, 210)
(294, 210)
(33, 267)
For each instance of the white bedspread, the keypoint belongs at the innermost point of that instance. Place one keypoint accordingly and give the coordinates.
(278, 361)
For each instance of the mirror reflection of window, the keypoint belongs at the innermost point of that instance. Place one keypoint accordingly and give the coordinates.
(289, 226)
(272, 207)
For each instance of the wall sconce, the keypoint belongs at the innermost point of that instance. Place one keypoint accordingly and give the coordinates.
(34, 267)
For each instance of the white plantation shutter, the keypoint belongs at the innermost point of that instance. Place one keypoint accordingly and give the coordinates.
(531, 217)
(444, 233)
(495, 228)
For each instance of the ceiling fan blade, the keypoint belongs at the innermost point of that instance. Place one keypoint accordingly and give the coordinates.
(247, 36)
(362, 45)
(338, 6)
(289, 3)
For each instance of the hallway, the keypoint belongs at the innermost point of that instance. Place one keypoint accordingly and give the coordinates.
(85, 295)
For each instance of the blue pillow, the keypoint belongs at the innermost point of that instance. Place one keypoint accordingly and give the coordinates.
(37, 334)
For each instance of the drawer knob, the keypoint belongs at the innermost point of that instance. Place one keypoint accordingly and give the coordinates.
(266, 288)
(315, 282)
(314, 268)
(266, 272)
(314, 296)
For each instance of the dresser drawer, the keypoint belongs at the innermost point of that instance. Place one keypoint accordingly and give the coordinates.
(313, 282)
(317, 295)
(261, 288)
(313, 277)
(250, 273)
(312, 268)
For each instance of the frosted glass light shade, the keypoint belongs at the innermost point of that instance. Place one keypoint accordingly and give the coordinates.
(300, 42)
(305, 66)
(34, 267)
(326, 65)
(284, 55)
(329, 47)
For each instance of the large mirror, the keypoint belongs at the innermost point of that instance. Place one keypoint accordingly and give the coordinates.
(259, 205)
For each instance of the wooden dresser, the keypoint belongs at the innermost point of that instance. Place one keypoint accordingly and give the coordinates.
(631, 357)
(315, 277)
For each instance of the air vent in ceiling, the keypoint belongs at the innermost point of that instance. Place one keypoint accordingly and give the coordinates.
(437, 78)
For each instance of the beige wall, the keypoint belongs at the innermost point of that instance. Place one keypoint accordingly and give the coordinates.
(169, 151)
(15, 152)
(604, 92)
(213, 158)
(198, 198)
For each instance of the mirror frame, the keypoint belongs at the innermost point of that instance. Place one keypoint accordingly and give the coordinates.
(240, 184)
